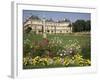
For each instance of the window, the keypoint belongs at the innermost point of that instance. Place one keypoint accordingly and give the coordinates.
(48, 31)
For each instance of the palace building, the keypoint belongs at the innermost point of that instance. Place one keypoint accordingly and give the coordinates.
(48, 26)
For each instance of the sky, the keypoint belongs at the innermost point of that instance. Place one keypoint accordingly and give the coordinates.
(72, 16)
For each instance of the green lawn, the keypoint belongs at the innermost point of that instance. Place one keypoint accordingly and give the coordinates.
(83, 39)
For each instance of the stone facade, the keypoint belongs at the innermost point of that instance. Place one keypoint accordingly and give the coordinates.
(51, 27)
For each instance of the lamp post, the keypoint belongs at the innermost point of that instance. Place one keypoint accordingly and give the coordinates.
(44, 29)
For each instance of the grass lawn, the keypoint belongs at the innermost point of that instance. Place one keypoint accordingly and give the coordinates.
(83, 39)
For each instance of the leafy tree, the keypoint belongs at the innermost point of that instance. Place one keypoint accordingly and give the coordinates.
(81, 25)
(88, 25)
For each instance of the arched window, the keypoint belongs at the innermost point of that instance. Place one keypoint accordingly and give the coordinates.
(48, 31)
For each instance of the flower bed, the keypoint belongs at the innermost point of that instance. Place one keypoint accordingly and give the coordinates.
(56, 51)
(48, 62)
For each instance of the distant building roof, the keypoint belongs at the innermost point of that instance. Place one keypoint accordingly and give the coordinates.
(34, 17)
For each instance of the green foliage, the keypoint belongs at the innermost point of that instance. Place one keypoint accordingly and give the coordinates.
(81, 25)
(88, 25)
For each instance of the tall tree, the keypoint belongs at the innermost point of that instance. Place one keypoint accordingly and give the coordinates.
(81, 25)
(88, 25)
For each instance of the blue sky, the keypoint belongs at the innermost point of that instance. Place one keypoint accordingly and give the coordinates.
(72, 16)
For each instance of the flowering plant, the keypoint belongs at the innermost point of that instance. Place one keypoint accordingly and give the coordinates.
(68, 61)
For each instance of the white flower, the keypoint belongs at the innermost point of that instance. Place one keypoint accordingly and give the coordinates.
(64, 54)
(61, 54)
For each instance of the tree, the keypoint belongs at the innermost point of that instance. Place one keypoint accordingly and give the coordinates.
(88, 25)
(81, 25)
